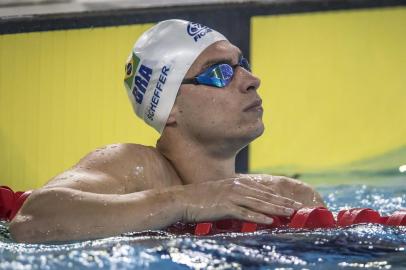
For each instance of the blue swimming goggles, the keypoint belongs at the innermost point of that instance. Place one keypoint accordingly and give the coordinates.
(218, 75)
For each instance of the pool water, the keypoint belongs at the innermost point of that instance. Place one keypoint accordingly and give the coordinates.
(357, 247)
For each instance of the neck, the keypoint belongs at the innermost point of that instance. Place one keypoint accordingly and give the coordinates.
(195, 162)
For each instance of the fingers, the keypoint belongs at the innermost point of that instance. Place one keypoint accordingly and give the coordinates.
(255, 183)
(249, 215)
(258, 191)
(258, 205)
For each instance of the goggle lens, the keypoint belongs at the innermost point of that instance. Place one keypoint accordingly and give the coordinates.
(219, 75)
(223, 72)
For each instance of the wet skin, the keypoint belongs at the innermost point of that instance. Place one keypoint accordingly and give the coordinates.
(189, 175)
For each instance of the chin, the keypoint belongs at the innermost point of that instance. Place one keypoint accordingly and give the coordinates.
(258, 131)
(251, 133)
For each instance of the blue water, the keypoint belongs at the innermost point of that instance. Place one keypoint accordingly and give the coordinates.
(357, 247)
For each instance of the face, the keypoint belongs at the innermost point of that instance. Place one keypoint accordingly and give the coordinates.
(231, 115)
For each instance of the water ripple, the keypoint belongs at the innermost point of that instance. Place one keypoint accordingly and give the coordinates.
(364, 246)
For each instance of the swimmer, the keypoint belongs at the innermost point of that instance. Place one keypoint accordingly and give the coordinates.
(197, 90)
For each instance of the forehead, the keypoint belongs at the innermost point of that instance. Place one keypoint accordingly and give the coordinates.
(220, 50)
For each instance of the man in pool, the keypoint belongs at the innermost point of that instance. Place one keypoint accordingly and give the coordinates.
(196, 88)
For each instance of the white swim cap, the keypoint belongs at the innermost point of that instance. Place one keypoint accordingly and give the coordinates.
(158, 63)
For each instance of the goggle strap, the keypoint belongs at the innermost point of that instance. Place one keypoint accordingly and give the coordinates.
(190, 81)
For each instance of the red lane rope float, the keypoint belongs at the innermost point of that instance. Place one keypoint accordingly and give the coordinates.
(11, 202)
(397, 219)
(305, 218)
(312, 218)
(358, 215)
(6, 202)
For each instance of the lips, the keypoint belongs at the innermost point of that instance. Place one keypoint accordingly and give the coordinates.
(254, 105)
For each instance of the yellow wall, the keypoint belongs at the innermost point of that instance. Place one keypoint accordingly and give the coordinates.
(333, 83)
(62, 95)
(334, 88)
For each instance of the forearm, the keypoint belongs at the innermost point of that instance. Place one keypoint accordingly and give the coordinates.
(61, 214)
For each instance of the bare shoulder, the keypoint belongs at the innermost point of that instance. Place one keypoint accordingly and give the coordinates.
(114, 168)
(140, 167)
(116, 157)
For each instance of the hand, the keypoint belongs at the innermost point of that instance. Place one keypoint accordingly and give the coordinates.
(240, 198)
(291, 188)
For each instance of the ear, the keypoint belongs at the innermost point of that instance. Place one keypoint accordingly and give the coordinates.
(171, 120)
(172, 116)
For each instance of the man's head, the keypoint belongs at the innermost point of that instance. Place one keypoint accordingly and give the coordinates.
(158, 63)
(175, 50)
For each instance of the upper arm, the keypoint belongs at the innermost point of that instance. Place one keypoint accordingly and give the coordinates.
(90, 180)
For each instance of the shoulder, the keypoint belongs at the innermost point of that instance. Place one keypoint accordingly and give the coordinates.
(105, 169)
(119, 153)
(116, 159)
(125, 148)
(142, 166)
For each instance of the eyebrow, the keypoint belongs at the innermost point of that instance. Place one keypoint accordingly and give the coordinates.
(217, 61)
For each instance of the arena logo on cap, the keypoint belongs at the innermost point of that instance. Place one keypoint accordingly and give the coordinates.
(197, 30)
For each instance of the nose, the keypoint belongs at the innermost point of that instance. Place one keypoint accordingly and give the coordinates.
(248, 81)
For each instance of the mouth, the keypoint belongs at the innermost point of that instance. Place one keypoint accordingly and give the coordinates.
(254, 106)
